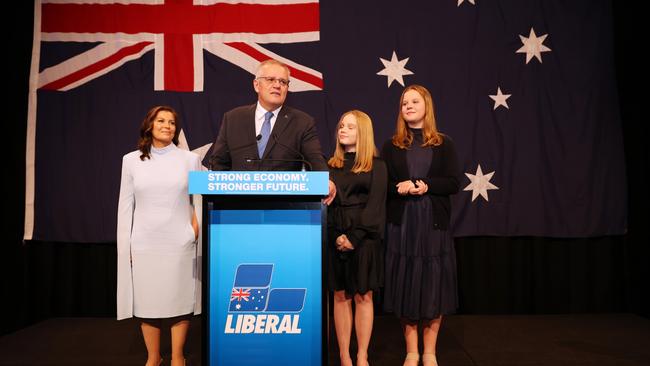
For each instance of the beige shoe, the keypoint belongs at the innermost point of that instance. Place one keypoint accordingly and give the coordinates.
(362, 364)
(412, 356)
(429, 359)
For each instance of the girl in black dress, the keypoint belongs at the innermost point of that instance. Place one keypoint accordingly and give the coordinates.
(420, 256)
(356, 223)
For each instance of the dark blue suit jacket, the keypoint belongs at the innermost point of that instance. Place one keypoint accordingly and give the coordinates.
(292, 139)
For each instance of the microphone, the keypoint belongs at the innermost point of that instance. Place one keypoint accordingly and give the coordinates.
(277, 141)
(257, 160)
(302, 157)
(214, 157)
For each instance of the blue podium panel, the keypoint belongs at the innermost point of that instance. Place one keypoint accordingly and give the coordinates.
(265, 304)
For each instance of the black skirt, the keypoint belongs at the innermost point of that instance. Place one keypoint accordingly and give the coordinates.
(357, 271)
(421, 280)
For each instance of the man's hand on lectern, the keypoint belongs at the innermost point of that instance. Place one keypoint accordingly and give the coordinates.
(332, 193)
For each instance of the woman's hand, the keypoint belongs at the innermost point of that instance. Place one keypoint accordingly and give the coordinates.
(343, 243)
(195, 226)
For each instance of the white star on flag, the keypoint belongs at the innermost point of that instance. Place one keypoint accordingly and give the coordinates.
(471, 1)
(394, 69)
(500, 98)
(533, 46)
(480, 183)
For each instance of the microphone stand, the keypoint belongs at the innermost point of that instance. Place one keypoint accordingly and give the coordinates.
(214, 157)
(302, 157)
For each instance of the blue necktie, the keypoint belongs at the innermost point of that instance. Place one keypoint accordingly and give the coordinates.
(265, 132)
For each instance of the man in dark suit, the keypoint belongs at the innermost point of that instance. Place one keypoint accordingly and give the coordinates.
(268, 135)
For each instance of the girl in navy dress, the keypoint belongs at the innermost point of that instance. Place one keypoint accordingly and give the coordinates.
(420, 257)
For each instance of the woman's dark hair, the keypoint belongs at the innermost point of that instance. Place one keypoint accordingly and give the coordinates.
(146, 137)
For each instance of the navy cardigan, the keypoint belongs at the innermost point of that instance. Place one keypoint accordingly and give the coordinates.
(442, 179)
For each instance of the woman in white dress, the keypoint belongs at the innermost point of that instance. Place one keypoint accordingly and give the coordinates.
(157, 232)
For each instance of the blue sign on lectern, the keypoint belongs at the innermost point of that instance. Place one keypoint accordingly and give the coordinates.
(259, 183)
(263, 276)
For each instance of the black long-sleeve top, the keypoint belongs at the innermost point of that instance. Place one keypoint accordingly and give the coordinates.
(442, 179)
(358, 210)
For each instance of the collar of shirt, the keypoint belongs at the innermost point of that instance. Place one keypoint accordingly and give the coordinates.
(259, 118)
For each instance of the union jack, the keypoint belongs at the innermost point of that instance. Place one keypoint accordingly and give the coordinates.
(240, 294)
(112, 33)
(128, 29)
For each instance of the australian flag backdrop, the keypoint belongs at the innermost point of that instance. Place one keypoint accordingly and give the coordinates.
(525, 88)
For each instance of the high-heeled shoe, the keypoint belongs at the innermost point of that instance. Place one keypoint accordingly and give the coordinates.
(412, 356)
(429, 359)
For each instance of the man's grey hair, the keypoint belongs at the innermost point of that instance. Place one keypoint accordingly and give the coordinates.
(271, 62)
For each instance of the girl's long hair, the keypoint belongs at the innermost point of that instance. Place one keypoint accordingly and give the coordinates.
(365, 148)
(403, 138)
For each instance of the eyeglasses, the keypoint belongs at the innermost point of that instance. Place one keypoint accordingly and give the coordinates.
(271, 80)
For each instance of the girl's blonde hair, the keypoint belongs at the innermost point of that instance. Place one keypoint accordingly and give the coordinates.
(365, 146)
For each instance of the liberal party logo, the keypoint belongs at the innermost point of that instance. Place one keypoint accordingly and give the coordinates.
(257, 308)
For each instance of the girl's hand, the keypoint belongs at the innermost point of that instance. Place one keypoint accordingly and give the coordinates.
(420, 188)
(405, 187)
(343, 243)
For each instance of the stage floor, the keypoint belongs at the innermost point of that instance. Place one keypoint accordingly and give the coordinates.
(595, 339)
